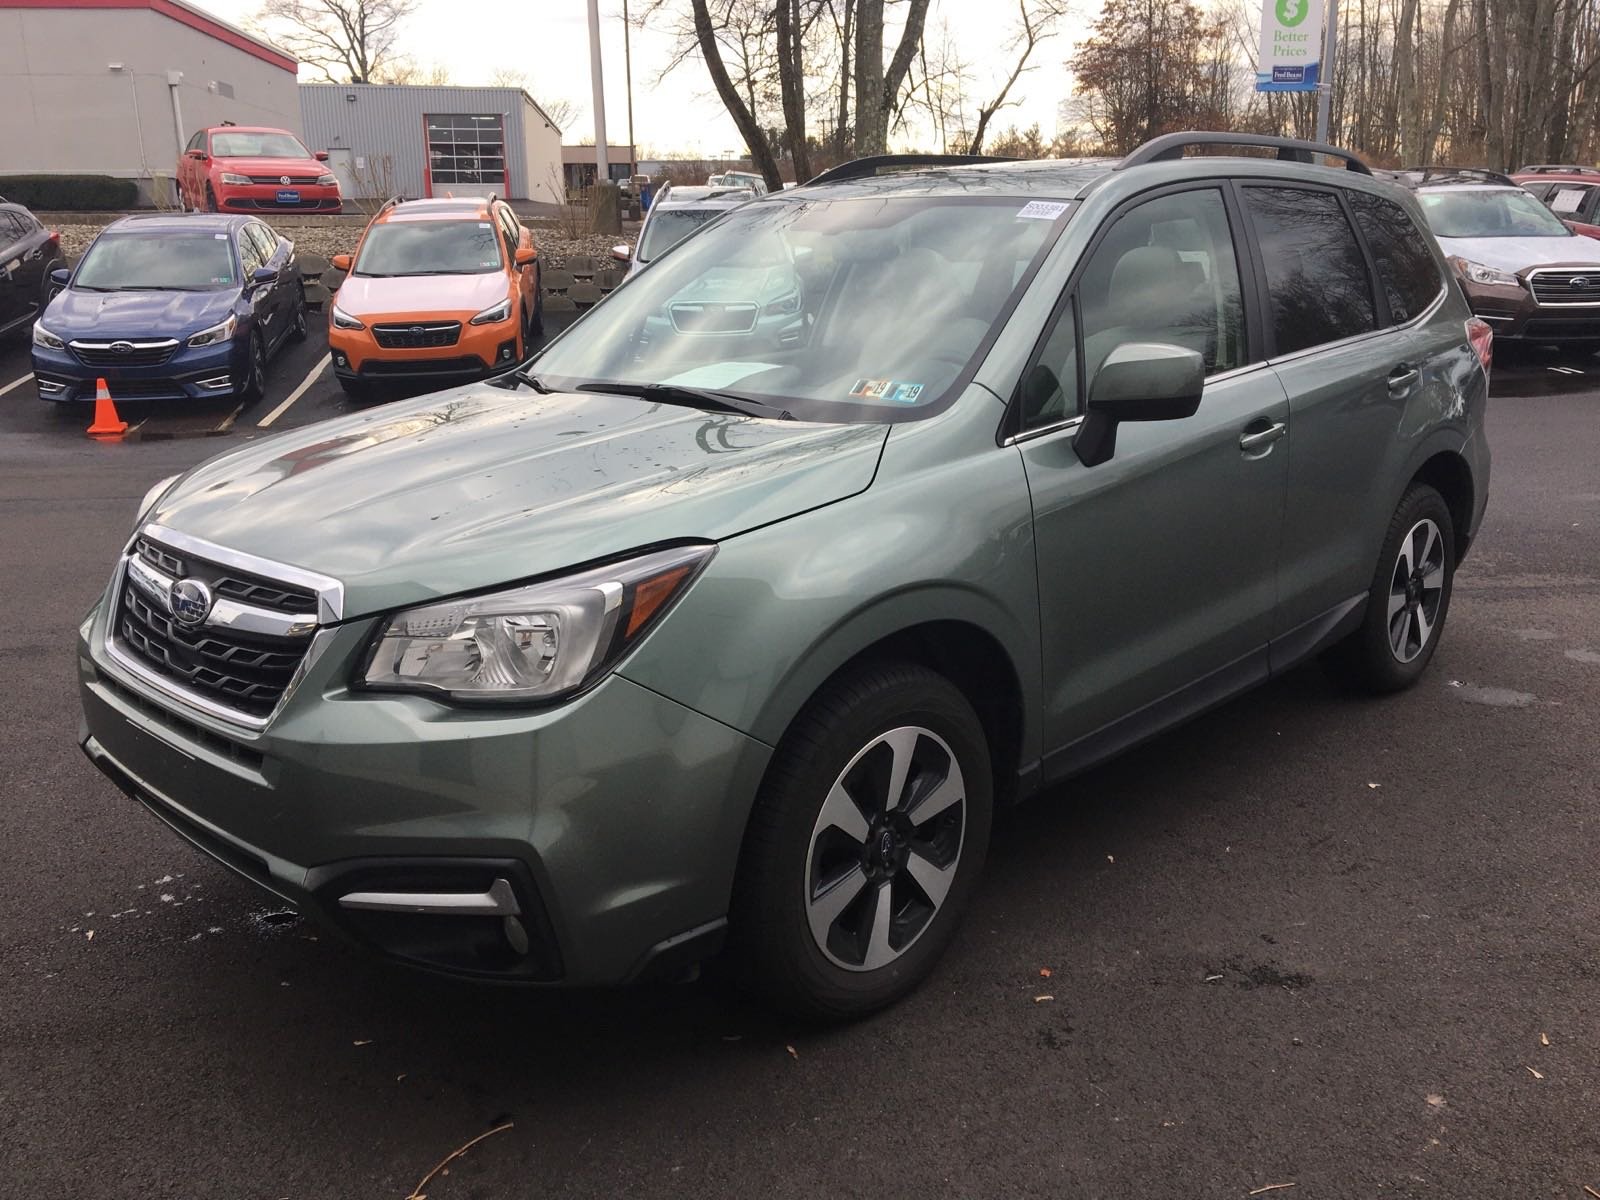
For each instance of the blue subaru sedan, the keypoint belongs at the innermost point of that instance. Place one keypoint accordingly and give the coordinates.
(170, 308)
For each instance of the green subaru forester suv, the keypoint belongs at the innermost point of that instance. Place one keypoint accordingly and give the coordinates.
(731, 619)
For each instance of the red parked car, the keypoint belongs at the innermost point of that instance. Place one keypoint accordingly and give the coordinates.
(246, 168)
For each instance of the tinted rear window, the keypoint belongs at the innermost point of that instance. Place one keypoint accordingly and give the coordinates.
(1406, 266)
(1316, 274)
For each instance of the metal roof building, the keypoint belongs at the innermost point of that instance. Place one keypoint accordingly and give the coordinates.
(387, 139)
(116, 87)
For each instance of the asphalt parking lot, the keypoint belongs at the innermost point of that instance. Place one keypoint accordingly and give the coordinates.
(1349, 946)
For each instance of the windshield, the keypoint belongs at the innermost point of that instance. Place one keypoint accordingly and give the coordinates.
(1487, 214)
(257, 145)
(669, 226)
(167, 261)
(860, 309)
(429, 248)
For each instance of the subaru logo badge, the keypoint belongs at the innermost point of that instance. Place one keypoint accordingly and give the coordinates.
(417, 329)
(283, 179)
(122, 347)
(1580, 283)
(190, 601)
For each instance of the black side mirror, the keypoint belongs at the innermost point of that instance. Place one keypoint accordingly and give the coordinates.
(1139, 381)
(262, 275)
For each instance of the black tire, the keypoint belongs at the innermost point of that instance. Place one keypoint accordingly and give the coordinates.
(211, 199)
(298, 330)
(358, 390)
(255, 380)
(776, 952)
(536, 326)
(1374, 658)
(48, 289)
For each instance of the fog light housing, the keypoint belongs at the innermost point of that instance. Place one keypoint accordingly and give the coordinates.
(507, 352)
(339, 360)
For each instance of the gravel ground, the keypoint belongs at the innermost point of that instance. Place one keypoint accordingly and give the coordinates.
(328, 237)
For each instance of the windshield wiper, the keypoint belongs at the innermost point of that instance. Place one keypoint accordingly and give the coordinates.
(523, 375)
(153, 287)
(691, 397)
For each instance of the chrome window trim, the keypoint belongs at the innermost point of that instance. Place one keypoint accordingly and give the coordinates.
(1538, 303)
(1321, 347)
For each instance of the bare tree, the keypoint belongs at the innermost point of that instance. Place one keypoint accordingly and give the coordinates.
(1036, 21)
(408, 71)
(349, 41)
(878, 87)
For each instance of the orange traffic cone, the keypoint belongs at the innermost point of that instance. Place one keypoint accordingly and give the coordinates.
(107, 427)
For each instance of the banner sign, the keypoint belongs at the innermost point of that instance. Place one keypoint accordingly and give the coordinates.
(1291, 46)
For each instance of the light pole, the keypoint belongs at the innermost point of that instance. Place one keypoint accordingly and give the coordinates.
(1330, 48)
(627, 71)
(602, 168)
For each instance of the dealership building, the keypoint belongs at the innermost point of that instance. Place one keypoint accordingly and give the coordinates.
(116, 87)
(388, 139)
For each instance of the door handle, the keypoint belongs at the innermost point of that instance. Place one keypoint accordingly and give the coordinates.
(1402, 377)
(1262, 437)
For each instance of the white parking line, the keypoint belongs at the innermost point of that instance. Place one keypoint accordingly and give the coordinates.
(14, 384)
(305, 386)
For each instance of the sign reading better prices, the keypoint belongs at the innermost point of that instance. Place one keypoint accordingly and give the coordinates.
(1291, 46)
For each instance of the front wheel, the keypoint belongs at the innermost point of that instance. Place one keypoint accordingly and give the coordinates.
(255, 380)
(298, 330)
(865, 843)
(1408, 601)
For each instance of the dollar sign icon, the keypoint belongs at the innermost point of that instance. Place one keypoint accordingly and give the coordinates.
(1292, 12)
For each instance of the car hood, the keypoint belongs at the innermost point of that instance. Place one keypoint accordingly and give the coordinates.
(276, 167)
(1518, 253)
(481, 486)
(111, 315)
(363, 296)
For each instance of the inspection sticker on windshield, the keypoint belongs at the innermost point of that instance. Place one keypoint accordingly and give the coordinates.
(1042, 210)
(886, 389)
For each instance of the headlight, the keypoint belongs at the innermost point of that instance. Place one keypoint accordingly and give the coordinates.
(531, 643)
(153, 497)
(782, 306)
(1478, 273)
(329, 180)
(217, 333)
(491, 316)
(343, 320)
(43, 337)
(230, 177)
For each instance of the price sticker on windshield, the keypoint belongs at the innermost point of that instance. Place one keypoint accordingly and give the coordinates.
(1568, 201)
(1042, 210)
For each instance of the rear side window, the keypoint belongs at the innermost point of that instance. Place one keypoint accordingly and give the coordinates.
(1406, 267)
(1317, 281)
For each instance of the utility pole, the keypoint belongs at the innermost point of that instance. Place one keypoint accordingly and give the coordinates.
(627, 71)
(597, 75)
(1330, 50)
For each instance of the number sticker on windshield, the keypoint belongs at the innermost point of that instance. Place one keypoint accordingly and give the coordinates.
(1042, 210)
(886, 389)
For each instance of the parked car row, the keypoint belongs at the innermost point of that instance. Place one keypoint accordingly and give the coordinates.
(731, 619)
(1534, 276)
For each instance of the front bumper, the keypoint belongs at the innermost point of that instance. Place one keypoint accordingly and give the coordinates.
(1516, 316)
(614, 820)
(263, 198)
(480, 350)
(192, 373)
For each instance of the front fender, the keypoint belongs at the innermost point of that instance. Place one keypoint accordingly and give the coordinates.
(783, 608)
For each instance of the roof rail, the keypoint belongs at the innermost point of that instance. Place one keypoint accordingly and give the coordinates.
(1447, 173)
(1170, 147)
(225, 124)
(865, 168)
(1556, 169)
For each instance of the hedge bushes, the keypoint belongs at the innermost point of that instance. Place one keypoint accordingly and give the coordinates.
(69, 193)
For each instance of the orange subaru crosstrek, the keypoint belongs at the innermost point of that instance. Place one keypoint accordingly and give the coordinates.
(443, 289)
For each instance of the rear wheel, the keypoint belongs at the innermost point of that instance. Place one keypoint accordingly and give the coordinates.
(298, 329)
(865, 843)
(1408, 601)
(537, 324)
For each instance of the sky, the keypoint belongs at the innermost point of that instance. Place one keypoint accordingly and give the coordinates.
(680, 115)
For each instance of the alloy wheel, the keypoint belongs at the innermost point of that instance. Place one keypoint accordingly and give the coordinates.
(1416, 590)
(885, 848)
